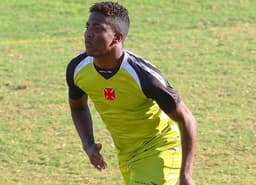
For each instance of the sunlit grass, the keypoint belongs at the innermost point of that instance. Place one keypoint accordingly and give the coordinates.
(205, 48)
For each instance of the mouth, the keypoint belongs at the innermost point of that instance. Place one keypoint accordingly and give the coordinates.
(88, 44)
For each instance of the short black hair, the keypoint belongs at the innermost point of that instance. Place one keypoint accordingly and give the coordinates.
(116, 14)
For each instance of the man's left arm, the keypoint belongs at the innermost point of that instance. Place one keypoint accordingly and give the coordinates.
(188, 127)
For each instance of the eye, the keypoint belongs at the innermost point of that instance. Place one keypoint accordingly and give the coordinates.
(86, 25)
(97, 28)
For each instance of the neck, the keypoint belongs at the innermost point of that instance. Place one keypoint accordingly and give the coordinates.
(109, 61)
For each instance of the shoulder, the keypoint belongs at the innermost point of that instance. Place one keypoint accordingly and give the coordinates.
(77, 63)
(72, 65)
(153, 83)
(76, 60)
(147, 72)
(135, 59)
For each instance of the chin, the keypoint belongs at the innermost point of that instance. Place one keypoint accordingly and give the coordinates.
(94, 54)
(88, 52)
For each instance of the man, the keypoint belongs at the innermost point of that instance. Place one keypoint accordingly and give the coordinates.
(148, 121)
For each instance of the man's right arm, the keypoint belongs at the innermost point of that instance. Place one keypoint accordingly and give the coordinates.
(82, 120)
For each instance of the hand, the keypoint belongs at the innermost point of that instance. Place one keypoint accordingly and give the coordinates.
(93, 152)
(186, 180)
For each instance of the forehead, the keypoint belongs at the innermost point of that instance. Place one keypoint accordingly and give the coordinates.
(97, 18)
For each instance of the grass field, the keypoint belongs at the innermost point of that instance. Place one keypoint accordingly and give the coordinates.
(206, 48)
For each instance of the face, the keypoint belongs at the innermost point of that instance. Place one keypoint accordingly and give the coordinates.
(99, 36)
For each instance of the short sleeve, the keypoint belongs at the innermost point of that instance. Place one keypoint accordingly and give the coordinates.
(155, 85)
(73, 91)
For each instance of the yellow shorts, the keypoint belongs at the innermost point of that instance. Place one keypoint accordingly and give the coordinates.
(161, 168)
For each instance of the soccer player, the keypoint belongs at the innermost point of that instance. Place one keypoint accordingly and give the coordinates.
(154, 132)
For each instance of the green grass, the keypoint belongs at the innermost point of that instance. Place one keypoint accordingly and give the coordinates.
(205, 48)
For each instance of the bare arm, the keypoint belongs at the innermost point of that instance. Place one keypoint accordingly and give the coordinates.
(82, 120)
(187, 123)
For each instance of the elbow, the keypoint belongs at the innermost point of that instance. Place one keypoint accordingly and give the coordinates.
(193, 120)
(193, 124)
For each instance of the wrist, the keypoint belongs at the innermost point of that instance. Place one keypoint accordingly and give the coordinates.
(186, 173)
(86, 146)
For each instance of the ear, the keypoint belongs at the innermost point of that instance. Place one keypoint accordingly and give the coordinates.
(118, 38)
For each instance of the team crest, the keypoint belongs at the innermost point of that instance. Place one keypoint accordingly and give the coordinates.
(109, 93)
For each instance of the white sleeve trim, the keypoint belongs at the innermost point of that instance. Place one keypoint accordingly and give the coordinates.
(82, 64)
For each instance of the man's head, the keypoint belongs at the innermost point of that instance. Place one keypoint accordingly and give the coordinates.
(106, 28)
(116, 14)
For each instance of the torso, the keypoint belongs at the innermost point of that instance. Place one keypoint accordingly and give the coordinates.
(125, 101)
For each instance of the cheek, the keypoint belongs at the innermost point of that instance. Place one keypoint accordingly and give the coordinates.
(105, 39)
